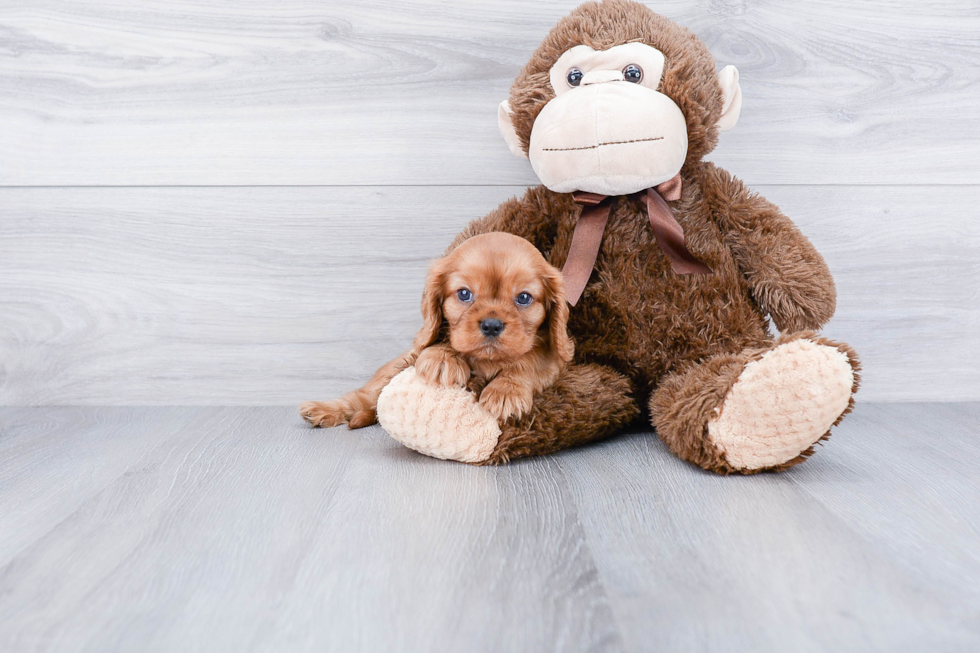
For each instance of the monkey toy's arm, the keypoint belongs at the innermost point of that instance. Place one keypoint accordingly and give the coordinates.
(788, 277)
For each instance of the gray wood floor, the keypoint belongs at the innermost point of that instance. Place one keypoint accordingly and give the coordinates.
(227, 529)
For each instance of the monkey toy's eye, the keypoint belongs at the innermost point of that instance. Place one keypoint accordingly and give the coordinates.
(574, 77)
(524, 299)
(464, 295)
(633, 73)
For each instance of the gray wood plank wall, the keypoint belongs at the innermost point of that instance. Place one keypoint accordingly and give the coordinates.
(214, 203)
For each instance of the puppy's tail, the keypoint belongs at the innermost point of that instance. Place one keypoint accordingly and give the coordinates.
(359, 408)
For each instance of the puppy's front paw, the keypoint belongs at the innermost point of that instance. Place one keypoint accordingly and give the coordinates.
(505, 399)
(440, 366)
(323, 413)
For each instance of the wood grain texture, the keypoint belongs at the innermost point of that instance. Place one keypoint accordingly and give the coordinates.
(933, 530)
(261, 296)
(248, 531)
(94, 446)
(114, 92)
(870, 546)
(205, 529)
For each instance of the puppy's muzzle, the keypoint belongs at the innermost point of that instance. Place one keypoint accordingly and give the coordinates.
(491, 327)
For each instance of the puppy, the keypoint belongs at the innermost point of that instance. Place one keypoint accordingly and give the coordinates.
(494, 321)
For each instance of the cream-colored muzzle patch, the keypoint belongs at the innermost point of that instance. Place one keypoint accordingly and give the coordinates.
(612, 138)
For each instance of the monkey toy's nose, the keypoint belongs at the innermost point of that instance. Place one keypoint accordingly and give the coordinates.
(600, 76)
(491, 327)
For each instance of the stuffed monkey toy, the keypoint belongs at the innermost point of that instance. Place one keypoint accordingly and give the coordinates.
(671, 266)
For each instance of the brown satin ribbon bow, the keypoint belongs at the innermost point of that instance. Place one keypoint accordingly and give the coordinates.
(587, 236)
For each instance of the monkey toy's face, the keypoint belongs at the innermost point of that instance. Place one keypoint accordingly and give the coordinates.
(609, 128)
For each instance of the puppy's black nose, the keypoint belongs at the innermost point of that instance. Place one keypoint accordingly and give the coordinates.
(491, 327)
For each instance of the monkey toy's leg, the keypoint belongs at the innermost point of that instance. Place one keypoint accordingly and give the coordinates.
(587, 402)
(757, 410)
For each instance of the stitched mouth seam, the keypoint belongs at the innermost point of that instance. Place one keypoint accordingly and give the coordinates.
(592, 147)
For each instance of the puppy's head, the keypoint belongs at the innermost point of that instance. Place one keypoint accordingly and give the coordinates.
(499, 298)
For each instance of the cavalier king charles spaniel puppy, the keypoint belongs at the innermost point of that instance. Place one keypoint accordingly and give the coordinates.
(494, 321)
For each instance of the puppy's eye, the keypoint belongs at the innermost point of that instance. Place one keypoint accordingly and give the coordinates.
(524, 299)
(464, 295)
(633, 73)
(574, 77)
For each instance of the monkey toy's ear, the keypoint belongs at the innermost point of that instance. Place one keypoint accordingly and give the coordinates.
(731, 94)
(507, 130)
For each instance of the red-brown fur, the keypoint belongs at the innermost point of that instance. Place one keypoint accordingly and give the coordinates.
(506, 370)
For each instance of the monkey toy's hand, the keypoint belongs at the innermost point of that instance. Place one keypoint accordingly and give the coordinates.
(439, 421)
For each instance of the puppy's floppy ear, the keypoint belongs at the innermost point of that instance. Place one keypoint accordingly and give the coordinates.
(557, 304)
(432, 298)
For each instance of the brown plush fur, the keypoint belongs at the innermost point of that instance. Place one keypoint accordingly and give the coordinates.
(682, 405)
(682, 338)
(556, 420)
(506, 369)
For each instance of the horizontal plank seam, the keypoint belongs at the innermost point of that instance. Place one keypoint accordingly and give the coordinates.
(972, 402)
(767, 184)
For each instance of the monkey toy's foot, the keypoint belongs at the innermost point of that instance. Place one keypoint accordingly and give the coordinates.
(757, 410)
(587, 402)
